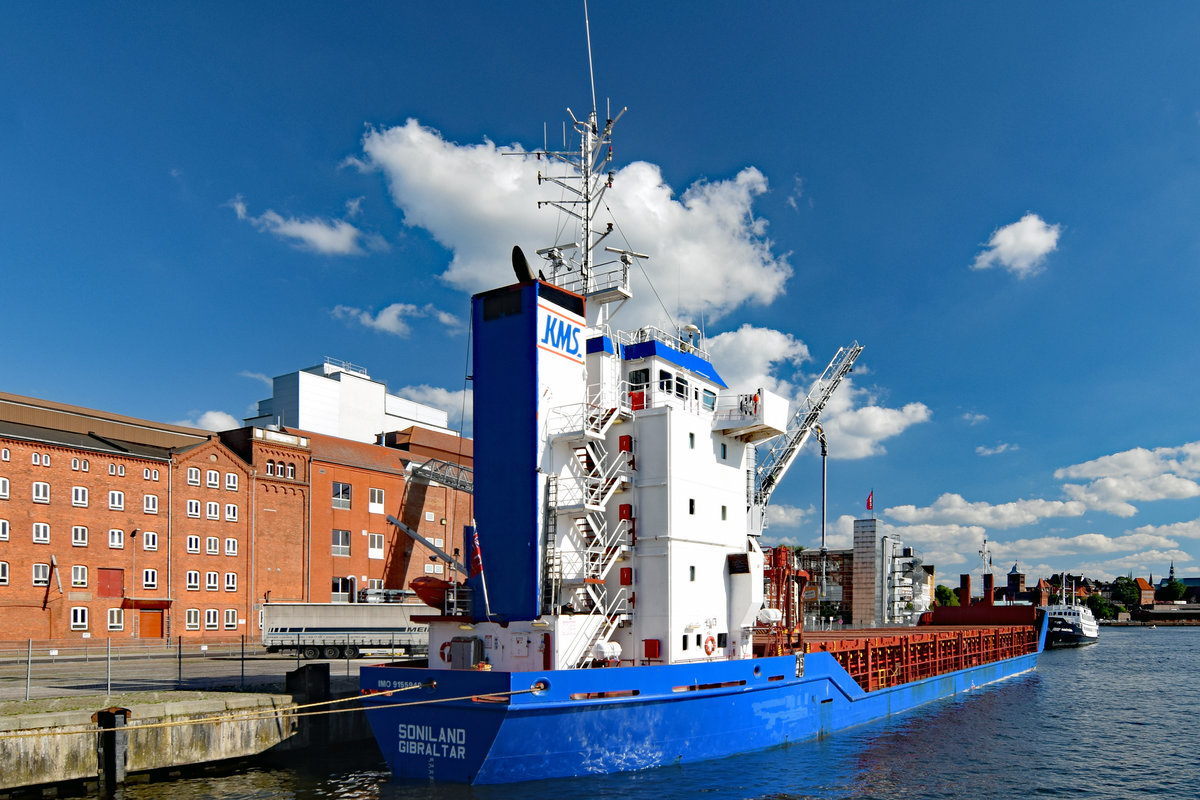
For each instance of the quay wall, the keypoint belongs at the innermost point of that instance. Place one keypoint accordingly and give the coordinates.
(47, 752)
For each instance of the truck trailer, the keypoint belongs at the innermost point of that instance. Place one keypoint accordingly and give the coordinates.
(344, 630)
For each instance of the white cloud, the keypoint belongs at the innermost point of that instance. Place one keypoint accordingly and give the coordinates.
(858, 431)
(1187, 530)
(952, 508)
(458, 404)
(1091, 544)
(710, 253)
(793, 199)
(258, 376)
(974, 419)
(394, 318)
(1003, 447)
(1165, 473)
(325, 236)
(1021, 247)
(785, 516)
(749, 358)
(212, 421)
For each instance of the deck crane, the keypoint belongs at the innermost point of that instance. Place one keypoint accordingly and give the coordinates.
(785, 447)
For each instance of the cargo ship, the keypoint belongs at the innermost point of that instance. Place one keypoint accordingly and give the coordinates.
(619, 611)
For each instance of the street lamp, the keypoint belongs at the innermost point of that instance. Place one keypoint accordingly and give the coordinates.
(133, 625)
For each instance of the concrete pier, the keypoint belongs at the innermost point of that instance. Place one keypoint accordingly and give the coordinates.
(91, 740)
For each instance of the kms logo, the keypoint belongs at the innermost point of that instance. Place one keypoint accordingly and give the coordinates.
(562, 335)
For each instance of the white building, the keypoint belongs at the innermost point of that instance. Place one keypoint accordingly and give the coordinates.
(340, 399)
(891, 585)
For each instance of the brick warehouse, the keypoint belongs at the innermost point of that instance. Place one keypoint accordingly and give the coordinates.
(117, 527)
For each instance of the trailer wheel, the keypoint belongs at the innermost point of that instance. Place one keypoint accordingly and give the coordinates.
(311, 651)
(331, 651)
(350, 651)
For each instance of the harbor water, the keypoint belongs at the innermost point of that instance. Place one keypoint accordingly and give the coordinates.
(1111, 720)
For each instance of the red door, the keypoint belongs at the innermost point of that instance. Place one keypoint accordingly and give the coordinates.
(111, 582)
(150, 624)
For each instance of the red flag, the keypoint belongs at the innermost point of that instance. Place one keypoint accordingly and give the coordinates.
(476, 554)
(871, 501)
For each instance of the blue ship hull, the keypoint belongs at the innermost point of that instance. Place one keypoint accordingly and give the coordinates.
(495, 727)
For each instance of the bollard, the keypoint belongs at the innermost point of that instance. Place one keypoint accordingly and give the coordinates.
(112, 747)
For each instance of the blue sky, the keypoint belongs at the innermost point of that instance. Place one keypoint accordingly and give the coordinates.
(997, 199)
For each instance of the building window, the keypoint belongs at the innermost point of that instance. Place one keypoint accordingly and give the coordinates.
(724, 451)
(193, 476)
(79, 496)
(150, 504)
(3, 530)
(75, 465)
(146, 474)
(434, 569)
(691, 573)
(41, 492)
(3, 488)
(193, 580)
(691, 505)
(193, 544)
(79, 536)
(230, 618)
(213, 479)
(84, 465)
(41, 533)
(374, 584)
(341, 495)
(37, 459)
(709, 399)
(116, 619)
(193, 509)
(149, 579)
(212, 545)
(231, 481)
(270, 467)
(374, 545)
(231, 581)
(3, 573)
(213, 509)
(79, 618)
(41, 574)
(210, 619)
(231, 547)
(116, 501)
(191, 619)
(116, 538)
(4, 455)
(149, 540)
(429, 516)
(116, 469)
(231, 512)
(692, 441)
(79, 575)
(723, 513)
(291, 472)
(375, 501)
(211, 581)
(341, 543)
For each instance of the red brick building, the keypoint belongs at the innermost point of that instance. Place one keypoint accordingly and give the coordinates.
(117, 527)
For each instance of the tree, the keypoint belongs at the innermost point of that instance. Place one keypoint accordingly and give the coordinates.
(1174, 590)
(1126, 592)
(945, 596)
(1101, 608)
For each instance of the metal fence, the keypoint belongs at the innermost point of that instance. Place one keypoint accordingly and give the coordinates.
(48, 668)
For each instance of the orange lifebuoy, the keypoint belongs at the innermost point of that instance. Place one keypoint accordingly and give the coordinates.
(710, 645)
(444, 652)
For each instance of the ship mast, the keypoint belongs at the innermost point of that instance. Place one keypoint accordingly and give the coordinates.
(586, 175)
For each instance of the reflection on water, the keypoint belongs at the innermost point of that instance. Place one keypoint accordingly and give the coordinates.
(1111, 719)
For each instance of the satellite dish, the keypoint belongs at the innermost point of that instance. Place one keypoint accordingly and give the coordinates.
(520, 265)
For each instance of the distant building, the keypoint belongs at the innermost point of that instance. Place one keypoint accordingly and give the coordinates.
(340, 399)
(1016, 593)
(891, 585)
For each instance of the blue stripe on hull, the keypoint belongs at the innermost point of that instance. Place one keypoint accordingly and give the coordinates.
(549, 735)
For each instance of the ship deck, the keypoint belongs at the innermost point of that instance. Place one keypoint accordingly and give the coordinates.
(879, 658)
